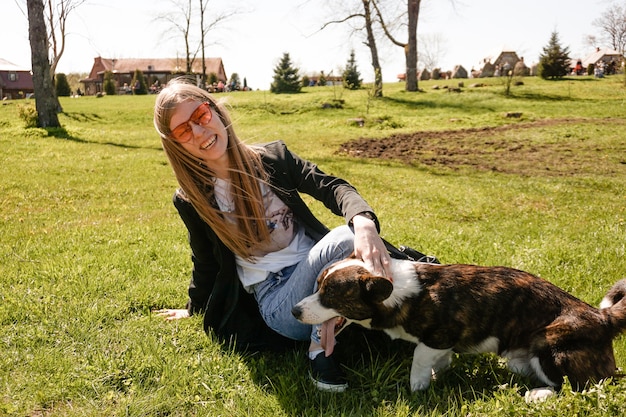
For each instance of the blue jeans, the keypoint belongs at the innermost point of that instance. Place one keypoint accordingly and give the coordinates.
(278, 294)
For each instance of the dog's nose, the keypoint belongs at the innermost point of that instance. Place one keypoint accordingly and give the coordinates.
(296, 311)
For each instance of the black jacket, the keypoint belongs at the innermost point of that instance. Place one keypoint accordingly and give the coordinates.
(215, 289)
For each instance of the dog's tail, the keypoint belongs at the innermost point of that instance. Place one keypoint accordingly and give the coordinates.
(614, 305)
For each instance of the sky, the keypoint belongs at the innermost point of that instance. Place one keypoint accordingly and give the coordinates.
(252, 41)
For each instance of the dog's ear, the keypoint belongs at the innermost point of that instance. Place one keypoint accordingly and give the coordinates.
(377, 289)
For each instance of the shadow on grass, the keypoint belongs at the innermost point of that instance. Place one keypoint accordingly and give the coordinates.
(378, 370)
(62, 133)
(461, 106)
(82, 117)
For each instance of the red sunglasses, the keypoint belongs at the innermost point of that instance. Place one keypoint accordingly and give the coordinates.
(201, 116)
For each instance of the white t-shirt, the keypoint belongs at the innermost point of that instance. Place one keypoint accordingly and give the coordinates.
(288, 243)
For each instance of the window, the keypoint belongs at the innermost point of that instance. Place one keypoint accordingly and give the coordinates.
(12, 76)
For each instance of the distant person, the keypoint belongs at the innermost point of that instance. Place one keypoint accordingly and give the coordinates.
(579, 67)
(506, 69)
(154, 88)
(257, 249)
(610, 67)
(599, 70)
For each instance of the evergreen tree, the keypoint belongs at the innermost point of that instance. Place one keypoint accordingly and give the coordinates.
(321, 80)
(554, 62)
(286, 77)
(62, 86)
(351, 76)
(109, 84)
(212, 79)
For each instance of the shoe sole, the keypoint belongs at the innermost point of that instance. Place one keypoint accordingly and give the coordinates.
(323, 386)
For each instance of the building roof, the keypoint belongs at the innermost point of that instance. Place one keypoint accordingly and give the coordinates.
(494, 54)
(9, 66)
(598, 54)
(160, 65)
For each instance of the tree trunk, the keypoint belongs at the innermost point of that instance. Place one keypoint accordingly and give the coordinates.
(371, 43)
(410, 51)
(45, 97)
(202, 33)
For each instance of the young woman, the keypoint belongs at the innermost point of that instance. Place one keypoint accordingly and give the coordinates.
(256, 247)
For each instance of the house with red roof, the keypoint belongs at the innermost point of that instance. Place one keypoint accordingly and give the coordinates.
(158, 71)
(15, 81)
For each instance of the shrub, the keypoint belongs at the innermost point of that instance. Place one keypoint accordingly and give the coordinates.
(139, 85)
(321, 79)
(28, 114)
(62, 86)
(212, 79)
(109, 84)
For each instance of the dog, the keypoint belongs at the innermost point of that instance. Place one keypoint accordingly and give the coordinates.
(544, 332)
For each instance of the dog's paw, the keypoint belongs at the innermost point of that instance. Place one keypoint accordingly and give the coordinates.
(419, 386)
(538, 394)
(420, 382)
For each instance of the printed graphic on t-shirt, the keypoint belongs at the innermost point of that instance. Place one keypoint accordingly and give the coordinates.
(279, 218)
(280, 221)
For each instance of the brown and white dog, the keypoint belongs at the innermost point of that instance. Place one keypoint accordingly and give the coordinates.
(544, 332)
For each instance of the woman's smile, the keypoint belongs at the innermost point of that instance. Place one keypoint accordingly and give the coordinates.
(206, 145)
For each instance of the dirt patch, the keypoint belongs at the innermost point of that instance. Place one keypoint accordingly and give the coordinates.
(501, 149)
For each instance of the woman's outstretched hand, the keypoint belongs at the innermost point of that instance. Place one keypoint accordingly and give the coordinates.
(369, 246)
(172, 314)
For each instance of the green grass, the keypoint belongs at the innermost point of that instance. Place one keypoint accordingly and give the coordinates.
(91, 244)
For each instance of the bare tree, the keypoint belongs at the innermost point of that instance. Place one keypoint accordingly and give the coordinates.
(410, 50)
(373, 14)
(46, 101)
(203, 7)
(591, 40)
(183, 22)
(431, 48)
(180, 21)
(366, 16)
(56, 13)
(612, 25)
(205, 29)
(410, 46)
(371, 43)
(56, 17)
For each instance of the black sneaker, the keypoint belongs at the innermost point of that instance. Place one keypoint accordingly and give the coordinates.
(327, 375)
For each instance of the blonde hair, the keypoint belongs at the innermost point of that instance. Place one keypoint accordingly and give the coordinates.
(196, 179)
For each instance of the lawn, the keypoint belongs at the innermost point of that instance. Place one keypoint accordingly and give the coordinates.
(91, 244)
